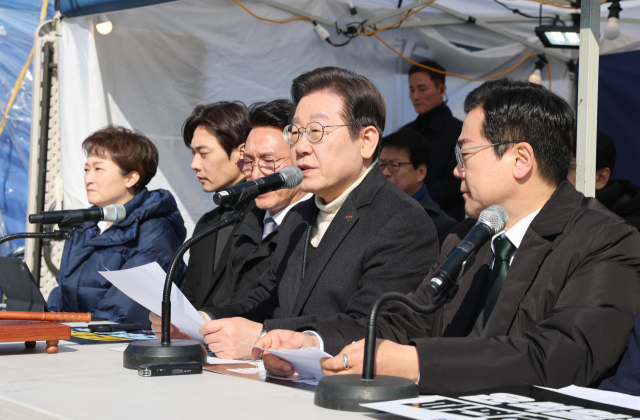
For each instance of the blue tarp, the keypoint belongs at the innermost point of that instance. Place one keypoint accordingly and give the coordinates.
(18, 22)
(618, 95)
(75, 8)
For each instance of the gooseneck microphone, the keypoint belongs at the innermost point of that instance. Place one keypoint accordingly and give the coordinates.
(347, 392)
(492, 220)
(112, 213)
(289, 177)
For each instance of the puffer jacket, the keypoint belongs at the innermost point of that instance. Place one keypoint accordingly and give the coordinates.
(152, 231)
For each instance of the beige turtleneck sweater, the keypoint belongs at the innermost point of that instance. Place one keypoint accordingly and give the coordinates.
(328, 211)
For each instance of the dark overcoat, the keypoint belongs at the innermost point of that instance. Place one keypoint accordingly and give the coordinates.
(563, 317)
(380, 240)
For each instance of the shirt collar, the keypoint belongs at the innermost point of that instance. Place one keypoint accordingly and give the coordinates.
(421, 193)
(516, 233)
(279, 216)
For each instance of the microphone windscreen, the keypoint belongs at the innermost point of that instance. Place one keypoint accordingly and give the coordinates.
(495, 216)
(292, 176)
(114, 213)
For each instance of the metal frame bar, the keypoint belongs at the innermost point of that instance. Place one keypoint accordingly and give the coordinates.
(299, 12)
(588, 97)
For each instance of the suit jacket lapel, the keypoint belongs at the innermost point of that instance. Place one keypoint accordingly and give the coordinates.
(544, 233)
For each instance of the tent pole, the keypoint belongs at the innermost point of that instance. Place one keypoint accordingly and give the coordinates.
(588, 97)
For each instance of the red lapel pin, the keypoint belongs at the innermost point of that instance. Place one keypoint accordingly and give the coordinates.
(349, 217)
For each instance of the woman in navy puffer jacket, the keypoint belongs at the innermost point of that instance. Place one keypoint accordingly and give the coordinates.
(120, 164)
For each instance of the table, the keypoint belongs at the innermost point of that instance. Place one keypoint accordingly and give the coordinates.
(88, 381)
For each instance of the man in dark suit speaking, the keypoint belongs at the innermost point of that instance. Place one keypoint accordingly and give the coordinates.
(550, 301)
(360, 236)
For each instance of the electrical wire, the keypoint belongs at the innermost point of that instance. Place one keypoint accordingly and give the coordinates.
(23, 72)
(369, 33)
(562, 6)
(549, 71)
(375, 34)
(271, 20)
(472, 79)
(555, 18)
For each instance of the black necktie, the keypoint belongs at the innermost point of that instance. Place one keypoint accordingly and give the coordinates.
(503, 252)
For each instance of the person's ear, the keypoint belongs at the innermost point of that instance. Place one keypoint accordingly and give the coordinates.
(370, 138)
(132, 179)
(443, 89)
(523, 160)
(240, 150)
(422, 172)
(602, 178)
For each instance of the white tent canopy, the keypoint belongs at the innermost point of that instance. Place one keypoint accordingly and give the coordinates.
(161, 61)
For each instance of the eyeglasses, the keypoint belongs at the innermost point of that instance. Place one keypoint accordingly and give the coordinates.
(393, 166)
(314, 131)
(266, 166)
(459, 150)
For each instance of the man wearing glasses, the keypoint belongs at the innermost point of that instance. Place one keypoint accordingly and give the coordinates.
(404, 160)
(359, 237)
(551, 300)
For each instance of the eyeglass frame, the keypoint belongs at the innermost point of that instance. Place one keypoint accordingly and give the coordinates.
(458, 150)
(306, 132)
(256, 162)
(394, 163)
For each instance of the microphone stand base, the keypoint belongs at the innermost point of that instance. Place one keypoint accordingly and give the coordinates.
(347, 392)
(153, 351)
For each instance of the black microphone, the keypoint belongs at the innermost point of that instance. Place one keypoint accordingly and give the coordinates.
(112, 213)
(289, 177)
(492, 220)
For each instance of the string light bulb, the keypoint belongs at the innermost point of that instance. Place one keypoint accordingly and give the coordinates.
(536, 76)
(322, 32)
(104, 25)
(612, 30)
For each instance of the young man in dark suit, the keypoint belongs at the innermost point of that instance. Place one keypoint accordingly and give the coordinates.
(360, 236)
(216, 134)
(550, 301)
(404, 160)
(441, 130)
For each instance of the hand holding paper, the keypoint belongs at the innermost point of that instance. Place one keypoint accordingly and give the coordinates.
(306, 362)
(145, 285)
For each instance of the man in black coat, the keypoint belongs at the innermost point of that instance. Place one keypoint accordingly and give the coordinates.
(359, 237)
(550, 301)
(441, 129)
(404, 160)
(618, 195)
(216, 134)
(254, 241)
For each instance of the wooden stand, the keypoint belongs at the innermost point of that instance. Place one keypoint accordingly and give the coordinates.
(32, 331)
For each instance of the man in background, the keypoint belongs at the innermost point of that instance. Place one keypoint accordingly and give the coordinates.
(404, 161)
(618, 195)
(441, 129)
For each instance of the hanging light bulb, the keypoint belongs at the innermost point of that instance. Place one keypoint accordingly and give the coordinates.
(612, 29)
(104, 25)
(536, 76)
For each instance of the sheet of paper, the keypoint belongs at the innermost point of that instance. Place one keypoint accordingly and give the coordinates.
(145, 285)
(305, 361)
(597, 395)
(217, 361)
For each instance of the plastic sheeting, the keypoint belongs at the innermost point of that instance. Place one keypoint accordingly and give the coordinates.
(161, 61)
(75, 8)
(18, 22)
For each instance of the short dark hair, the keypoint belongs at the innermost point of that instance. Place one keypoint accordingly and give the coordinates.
(363, 103)
(272, 114)
(438, 78)
(413, 142)
(519, 111)
(605, 150)
(131, 151)
(228, 121)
